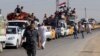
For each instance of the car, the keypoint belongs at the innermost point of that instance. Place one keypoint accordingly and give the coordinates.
(61, 30)
(70, 30)
(22, 24)
(14, 37)
(50, 33)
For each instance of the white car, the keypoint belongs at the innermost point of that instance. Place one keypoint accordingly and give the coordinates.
(61, 30)
(48, 33)
(13, 36)
(20, 23)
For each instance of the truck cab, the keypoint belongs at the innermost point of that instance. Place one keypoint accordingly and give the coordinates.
(22, 24)
(61, 30)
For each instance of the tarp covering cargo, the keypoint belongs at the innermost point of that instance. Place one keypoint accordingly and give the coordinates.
(20, 16)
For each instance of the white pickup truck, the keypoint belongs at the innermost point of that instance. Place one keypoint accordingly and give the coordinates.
(2, 32)
(22, 24)
(62, 28)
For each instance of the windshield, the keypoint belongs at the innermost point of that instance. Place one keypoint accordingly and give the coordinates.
(61, 25)
(22, 25)
(11, 31)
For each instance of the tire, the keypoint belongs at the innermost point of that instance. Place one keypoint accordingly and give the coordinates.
(1, 48)
(49, 39)
(65, 34)
(17, 45)
(57, 36)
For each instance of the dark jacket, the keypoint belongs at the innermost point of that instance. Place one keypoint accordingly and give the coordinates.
(17, 10)
(75, 30)
(32, 36)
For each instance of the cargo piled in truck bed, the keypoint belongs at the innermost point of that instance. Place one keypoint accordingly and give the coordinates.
(17, 16)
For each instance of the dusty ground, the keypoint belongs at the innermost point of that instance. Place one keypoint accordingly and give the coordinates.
(67, 46)
(92, 48)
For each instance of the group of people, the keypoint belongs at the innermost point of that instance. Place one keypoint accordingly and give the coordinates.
(65, 14)
(81, 28)
(36, 37)
(19, 13)
(18, 9)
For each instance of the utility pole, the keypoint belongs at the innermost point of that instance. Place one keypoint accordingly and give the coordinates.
(57, 3)
(68, 3)
(86, 15)
(0, 11)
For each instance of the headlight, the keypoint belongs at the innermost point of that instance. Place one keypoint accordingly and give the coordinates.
(11, 38)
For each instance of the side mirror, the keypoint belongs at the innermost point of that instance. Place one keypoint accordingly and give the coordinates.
(19, 32)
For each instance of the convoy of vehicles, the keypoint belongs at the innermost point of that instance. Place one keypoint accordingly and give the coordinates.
(11, 31)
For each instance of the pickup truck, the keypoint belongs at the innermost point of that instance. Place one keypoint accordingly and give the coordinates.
(61, 30)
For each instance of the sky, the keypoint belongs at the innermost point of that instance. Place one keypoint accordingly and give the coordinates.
(40, 7)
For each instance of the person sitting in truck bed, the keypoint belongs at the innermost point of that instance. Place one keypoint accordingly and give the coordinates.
(18, 9)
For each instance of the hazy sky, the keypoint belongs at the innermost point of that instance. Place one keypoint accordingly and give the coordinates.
(39, 7)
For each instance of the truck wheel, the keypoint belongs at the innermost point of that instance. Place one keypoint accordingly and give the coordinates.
(57, 36)
(1, 48)
(17, 45)
(65, 34)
